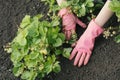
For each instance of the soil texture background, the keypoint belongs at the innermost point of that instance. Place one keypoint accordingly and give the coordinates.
(103, 65)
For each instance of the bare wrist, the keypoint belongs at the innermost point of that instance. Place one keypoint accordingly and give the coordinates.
(60, 2)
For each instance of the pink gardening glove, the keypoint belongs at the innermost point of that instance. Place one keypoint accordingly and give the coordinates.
(69, 21)
(85, 44)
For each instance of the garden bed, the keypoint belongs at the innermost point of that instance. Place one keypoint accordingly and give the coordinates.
(104, 63)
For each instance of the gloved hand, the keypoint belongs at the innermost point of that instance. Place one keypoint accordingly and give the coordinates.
(85, 44)
(69, 21)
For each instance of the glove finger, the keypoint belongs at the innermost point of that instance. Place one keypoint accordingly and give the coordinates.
(65, 33)
(87, 58)
(73, 54)
(82, 59)
(68, 35)
(77, 58)
(83, 25)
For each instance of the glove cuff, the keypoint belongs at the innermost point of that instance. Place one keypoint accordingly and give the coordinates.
(64, 11)
(94, 29)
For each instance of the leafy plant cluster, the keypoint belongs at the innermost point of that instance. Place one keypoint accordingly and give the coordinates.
(35, 49)
(115, 7)
(79, 7)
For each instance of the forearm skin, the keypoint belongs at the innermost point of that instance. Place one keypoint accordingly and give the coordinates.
(60, 2)
(104, 14)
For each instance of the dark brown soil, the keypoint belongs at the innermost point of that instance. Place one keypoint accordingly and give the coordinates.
(104, 63)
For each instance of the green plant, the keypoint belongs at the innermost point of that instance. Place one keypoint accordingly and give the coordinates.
(79, 7)
(36, 48)
(115, 7)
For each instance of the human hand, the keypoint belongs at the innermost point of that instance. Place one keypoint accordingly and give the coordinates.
(85, 44)
(69, 21)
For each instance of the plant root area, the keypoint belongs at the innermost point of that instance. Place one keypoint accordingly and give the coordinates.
(104, 63)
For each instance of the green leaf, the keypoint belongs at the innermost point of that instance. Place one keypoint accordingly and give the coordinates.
(21, 38)
(58, 52)
(29, 75)
(33, 55)
(24, 51)
(114, 6)
(54, 36)
(37, 41)
(58, 42)
(25, 21)
(56, 67)
(38, 16)
(41, 30)
(62, 36)
(53, 57)
(18, 70)
(66, 52)
(49, 64)
(18, 64)
(55, 23)
(48, 67)
(26, 75)
(40, 58)
(118, 14)
(23, 42)
(16, 56)
(90, 4)
(83, 10)
(31, 63)
(117, 39)
(33, 27)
